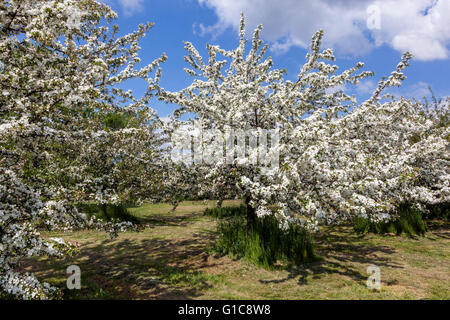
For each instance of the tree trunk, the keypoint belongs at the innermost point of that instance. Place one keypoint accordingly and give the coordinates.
(104, 209)
(251, 214)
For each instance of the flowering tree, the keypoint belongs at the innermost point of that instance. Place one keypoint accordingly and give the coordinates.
(245, 92)
(337, 159)
(364, 162)
(432, 160)
(59, 70)
(240, 97)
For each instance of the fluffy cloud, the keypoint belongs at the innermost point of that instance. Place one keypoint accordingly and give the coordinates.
(417, 90)
(423, 27)
(351, 26)
(131, 6)
(366, 86)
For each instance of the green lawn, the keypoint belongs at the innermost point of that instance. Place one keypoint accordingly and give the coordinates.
(172, 259)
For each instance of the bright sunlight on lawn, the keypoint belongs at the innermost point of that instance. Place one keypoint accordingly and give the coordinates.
(173, 259)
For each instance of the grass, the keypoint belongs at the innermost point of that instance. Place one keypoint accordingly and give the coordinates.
(172, 259)
(226, 212)
(264, 244)
(107, 212)
(408, 222)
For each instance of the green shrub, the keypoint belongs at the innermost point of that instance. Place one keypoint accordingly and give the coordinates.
(409, 222)
(265, 243)
(438, 211)
(107, 212)
(226, 212)
(6, 296)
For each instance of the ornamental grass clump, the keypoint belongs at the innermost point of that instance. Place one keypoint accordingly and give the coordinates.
(409, 222)
(225, 212)
(108, 212)
(438, 211)
(264, 244)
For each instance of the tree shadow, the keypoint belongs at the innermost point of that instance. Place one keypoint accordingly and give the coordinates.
(439, 228)
(136, 268)
(340, 252)
(170, 220)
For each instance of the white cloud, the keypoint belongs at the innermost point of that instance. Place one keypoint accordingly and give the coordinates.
(416, 90)
(366, 86)
(165, 119)
(130, 7)
(419, 90)
(420, 26)
(335, 89)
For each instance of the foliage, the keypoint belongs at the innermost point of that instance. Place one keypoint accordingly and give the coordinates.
(265, 243)
(226, 212)
(438, 109)
(438, 211)
(409, 221)
(108, 212)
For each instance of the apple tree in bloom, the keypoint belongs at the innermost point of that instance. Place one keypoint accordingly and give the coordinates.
(68, 132)
(364, 160)
(337, 159)
(245, 92)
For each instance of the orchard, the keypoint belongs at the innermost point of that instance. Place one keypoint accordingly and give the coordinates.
(72, 135)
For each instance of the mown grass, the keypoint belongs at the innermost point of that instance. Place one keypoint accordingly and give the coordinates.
(172, 259)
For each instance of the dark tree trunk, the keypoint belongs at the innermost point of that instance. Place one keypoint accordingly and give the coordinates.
(104, 209)
(251, 214)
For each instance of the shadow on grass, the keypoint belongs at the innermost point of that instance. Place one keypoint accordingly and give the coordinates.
(341, 252)
(135, 269)
(439, 228)
(169, 219)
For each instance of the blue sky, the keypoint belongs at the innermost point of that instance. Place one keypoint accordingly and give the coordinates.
(374, 32)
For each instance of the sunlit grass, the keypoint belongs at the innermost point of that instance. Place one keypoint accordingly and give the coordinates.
(172, 259)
